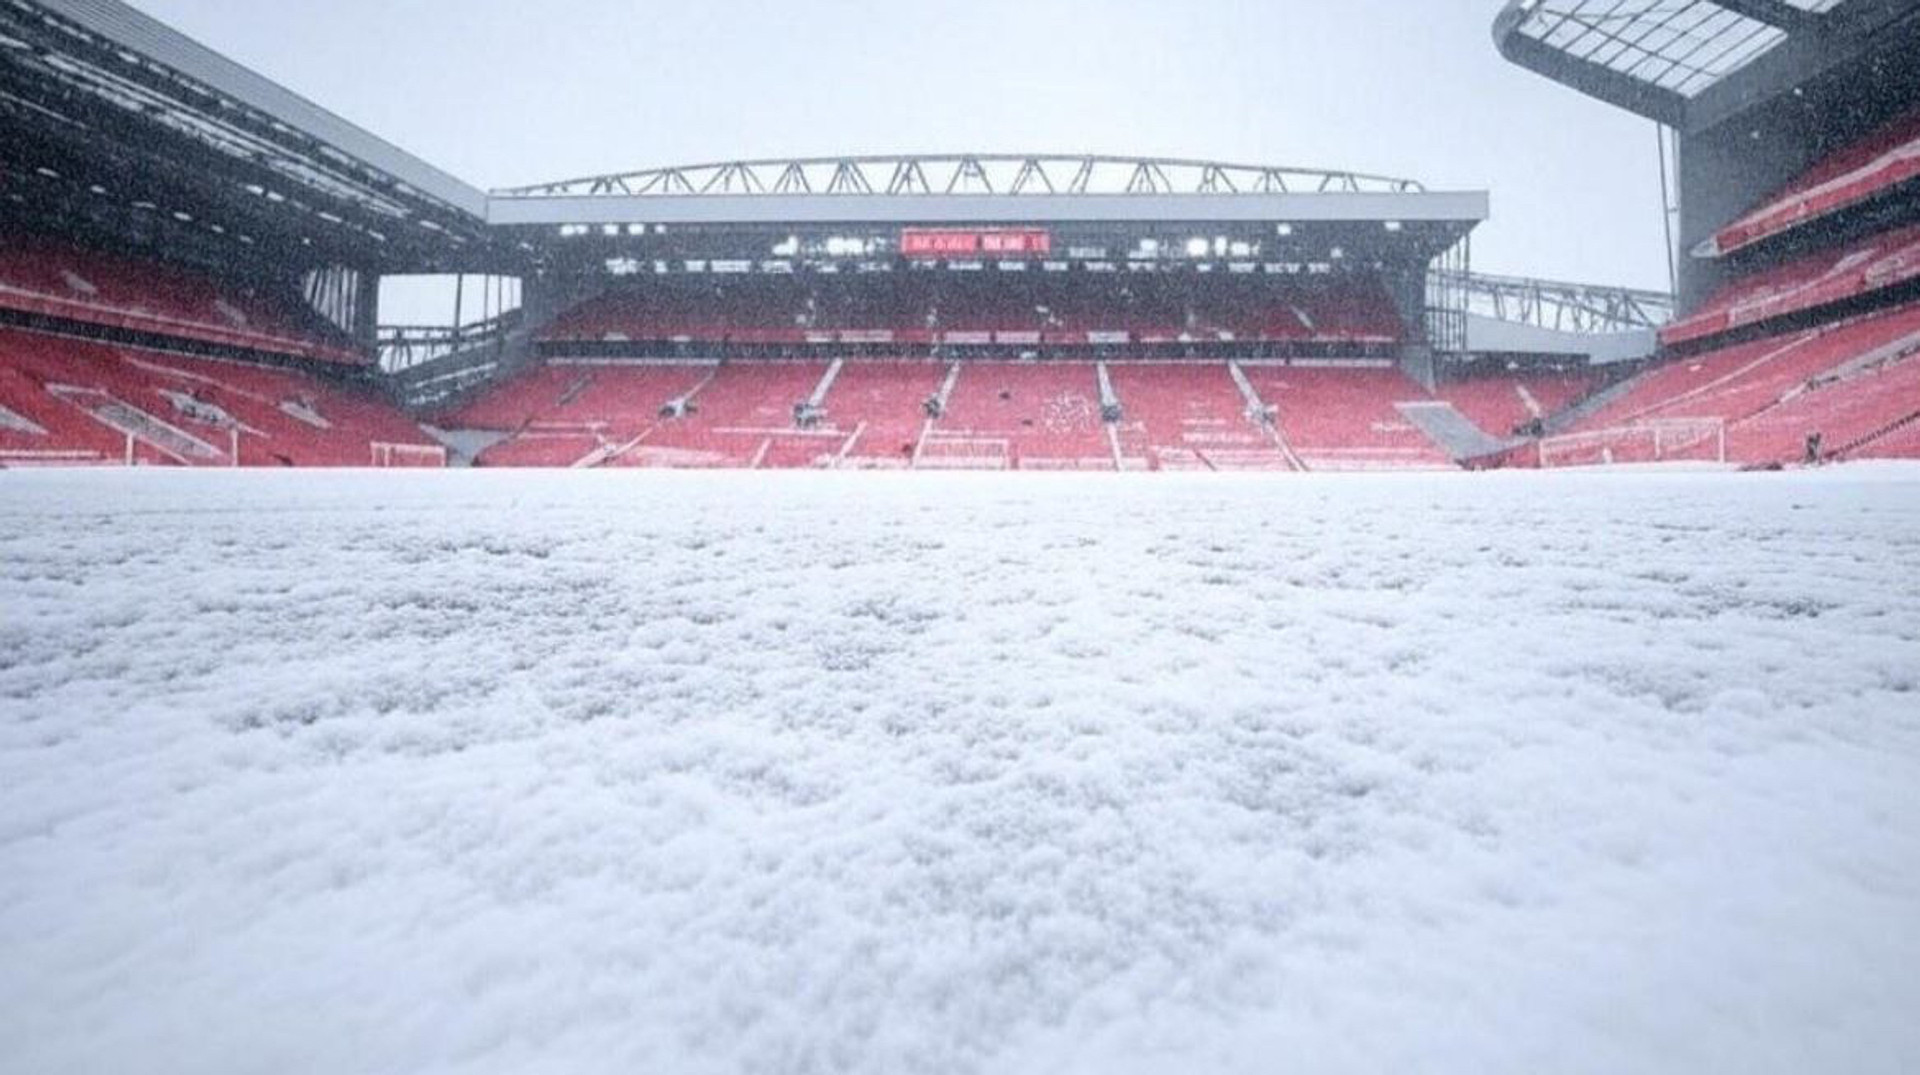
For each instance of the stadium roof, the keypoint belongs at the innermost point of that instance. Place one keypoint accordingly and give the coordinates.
(100, 102)
(116, 123)
(1666, 59)
(980, 188)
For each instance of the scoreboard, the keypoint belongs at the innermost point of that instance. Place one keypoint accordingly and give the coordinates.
(962, 243)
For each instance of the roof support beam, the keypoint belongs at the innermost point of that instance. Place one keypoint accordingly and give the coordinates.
(1595, 80)
(1777, 13)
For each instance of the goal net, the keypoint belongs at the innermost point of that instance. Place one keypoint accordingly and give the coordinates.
(1691, 440)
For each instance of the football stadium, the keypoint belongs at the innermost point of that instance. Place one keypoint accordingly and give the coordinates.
(961, 611)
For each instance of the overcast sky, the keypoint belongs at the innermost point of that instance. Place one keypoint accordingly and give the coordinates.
(505, 92)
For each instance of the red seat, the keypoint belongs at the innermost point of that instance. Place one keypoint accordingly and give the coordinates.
(1859, 173)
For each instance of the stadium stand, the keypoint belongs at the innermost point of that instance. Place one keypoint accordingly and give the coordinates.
(1344, 418)
(742, 416)
(1004, 415)
(1844, 382)
(1510, 405)
(999, 415)
(1807, 283)
(83, 401)
(978, 309)
(882, 407)
(1189, 416)
(67, 283)
(1872, 168)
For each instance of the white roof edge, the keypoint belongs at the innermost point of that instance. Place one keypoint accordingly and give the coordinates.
(1463, 206)
(141, 33)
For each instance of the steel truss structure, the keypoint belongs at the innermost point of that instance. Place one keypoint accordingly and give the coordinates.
(1685, 63)
(1560, 306)
(110, 118)
(1025, 174)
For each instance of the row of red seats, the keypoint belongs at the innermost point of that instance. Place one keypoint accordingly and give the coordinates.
(1845, 414)
(998, 415)
(1806, 283)
(1505, 405)
(1345, 419)
(906, 309)
(1744, 379)
(1861, 172)
(73, 401)
(1845, 382)
(1022, 416)
(1183, 416)
(66, 282)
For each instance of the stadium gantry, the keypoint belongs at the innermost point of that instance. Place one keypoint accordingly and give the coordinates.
(1031, 174)
(1560, 306)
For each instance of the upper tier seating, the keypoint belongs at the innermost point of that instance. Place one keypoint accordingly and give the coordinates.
(976, 309)
(1861, 172)
(71, 284)
(99, 403)
(1807, 283)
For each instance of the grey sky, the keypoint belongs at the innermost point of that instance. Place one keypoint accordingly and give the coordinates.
(502, 92)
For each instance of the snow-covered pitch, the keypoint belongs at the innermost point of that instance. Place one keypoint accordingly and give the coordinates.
(517, 772)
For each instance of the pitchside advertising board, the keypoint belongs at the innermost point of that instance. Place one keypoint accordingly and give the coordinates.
(961, 243)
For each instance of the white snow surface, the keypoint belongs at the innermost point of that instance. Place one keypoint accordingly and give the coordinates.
(529, 772)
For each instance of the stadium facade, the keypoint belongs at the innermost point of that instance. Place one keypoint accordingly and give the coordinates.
(193, 258)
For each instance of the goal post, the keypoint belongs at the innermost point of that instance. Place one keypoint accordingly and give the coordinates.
(1673, 440)
(386, 455)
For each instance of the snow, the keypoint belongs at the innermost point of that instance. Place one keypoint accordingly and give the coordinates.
(524, 771)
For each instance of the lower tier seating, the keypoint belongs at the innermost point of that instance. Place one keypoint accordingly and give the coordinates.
(1345, 418)
(68, 401)
(1764, 400)
(1505, 406)
(870, 414)
(1186, 416)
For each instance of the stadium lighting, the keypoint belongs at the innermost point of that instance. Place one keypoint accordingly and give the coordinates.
(1196, 247)
(1337, 253)
(1393, 225)
(1283, 229)
(1241, 249)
